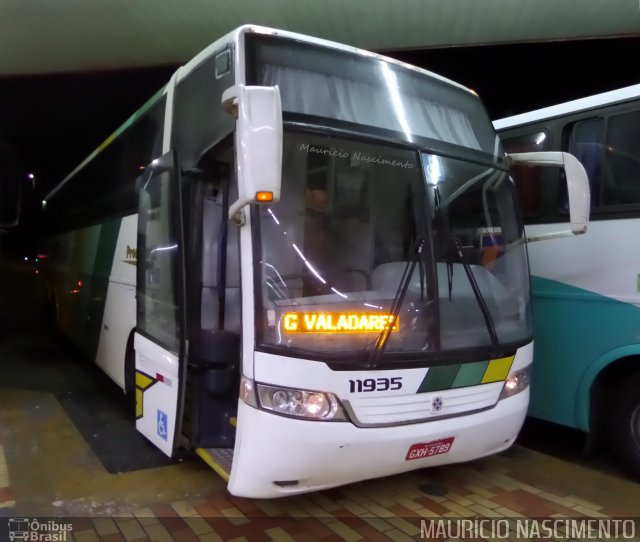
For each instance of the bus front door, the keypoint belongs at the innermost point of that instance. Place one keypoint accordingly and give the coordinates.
(160, 347)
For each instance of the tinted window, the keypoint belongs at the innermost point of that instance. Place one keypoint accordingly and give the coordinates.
(586, 144)
(528, 179)
(621, 173)
(105, 187)
(368, 91)
(158, 288)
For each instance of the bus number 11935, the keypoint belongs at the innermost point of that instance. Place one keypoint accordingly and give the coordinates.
(375, 384)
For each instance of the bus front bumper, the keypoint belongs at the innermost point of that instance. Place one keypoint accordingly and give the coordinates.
(279, 456)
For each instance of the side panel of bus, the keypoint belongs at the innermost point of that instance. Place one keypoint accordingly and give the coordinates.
(586, 289)
(89, 272)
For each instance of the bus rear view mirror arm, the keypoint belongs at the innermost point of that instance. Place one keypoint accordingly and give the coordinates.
(577, 188)
(258, 111)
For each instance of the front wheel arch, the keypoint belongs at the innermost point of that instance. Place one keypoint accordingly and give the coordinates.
(623, 427)
(604, 372)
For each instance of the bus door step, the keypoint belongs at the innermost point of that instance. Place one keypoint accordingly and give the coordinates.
(219, 459)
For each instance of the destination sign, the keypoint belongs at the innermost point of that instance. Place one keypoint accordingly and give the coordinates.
(338, 322)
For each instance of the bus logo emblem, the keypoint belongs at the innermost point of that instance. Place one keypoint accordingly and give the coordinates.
(18, 529)
(436, 404)
(131, 256)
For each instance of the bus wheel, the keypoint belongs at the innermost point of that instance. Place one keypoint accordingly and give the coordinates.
(624, 424)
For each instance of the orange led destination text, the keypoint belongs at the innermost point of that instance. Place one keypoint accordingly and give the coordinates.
(337, 322)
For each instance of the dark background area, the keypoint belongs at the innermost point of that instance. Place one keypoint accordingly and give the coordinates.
(53, 122)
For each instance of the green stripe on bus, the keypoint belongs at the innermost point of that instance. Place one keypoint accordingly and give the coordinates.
(99, 285)
(470, 374)
(439, 378)
(447, 377)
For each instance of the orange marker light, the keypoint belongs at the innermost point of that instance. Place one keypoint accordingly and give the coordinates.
(264, 197)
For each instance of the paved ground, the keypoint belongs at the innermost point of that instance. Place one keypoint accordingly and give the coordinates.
(54, 473)
(52, 465)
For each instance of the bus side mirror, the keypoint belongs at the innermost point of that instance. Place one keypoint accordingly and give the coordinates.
(577, 188)
(258, 111)
(10, 195)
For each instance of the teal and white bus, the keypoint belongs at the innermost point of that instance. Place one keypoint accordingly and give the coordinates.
(307, 263)
(586, 290)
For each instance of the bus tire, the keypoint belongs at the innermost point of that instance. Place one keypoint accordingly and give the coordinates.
(624, 424)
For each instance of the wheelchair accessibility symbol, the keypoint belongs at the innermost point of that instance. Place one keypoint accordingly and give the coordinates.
(163, 425)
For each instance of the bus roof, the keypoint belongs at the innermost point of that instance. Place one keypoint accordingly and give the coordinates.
(583, 104)
(250, 28)
(214, 48)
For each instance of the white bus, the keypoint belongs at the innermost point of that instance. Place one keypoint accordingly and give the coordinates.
(586, 291)
(307, 262)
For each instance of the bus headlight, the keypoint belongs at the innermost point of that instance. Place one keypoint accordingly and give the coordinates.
(517, 382)
(314, 405)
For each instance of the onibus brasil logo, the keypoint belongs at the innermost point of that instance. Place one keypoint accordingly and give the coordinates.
(34, 530)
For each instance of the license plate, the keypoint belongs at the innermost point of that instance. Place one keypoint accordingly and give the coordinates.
(429, 449)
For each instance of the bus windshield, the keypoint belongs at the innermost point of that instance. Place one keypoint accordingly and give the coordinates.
(333, 250)
(349, 88)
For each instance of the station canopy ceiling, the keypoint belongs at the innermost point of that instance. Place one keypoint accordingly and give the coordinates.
(61, 36)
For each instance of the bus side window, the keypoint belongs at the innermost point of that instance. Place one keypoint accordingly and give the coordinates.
(584, 139)
(528, 180)
(622, 160)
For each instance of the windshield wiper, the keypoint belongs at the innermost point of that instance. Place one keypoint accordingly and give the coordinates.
(444, 222)
(383, 337)
(488, 319)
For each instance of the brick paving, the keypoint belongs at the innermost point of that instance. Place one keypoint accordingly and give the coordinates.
(390, 508)
(189, 503)
(6, 495)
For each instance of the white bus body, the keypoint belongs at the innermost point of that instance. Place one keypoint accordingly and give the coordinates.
(282, 254)
(586, 290)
